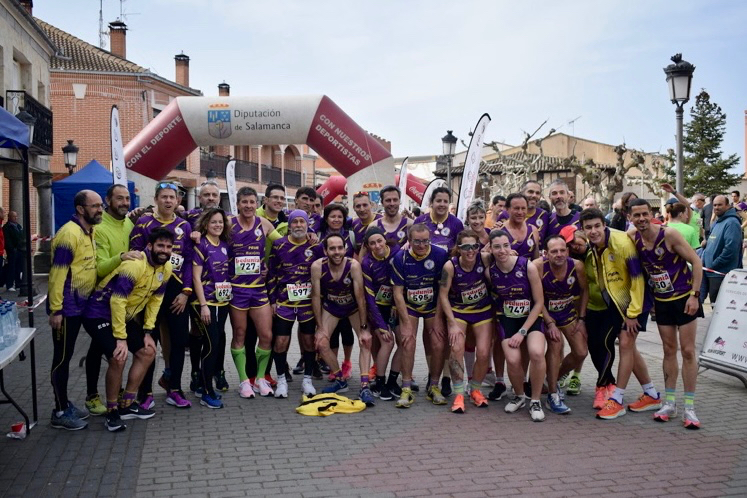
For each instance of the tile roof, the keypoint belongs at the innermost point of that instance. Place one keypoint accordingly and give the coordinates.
(78, 55)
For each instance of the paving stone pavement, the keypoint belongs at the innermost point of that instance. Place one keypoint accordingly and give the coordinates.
(262, 447)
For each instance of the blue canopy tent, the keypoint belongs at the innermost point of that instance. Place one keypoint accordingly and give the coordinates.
(92, 176)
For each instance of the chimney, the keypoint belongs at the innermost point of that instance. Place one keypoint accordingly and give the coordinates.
(28, 5)
(118, 38)
(224, 89)
(182, 69)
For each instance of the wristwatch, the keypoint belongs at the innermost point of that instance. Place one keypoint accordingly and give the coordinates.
(523, 332)
(149, 332)
(695, 293)
(364, 326)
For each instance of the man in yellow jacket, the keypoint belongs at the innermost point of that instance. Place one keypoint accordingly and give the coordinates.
(111, 320)
(614, 262)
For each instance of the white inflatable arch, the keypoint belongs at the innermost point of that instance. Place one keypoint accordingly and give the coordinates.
(189, 122)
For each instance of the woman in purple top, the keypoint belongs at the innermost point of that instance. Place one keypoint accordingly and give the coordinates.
(517, 292)
(335, 222)
(443, 225)
(212, 284)
(476, 215)
(466, 304)
(377, 280)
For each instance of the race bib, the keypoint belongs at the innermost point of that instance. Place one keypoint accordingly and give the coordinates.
(516, 308)
(556, 305)
(384, 296)
(420, 296)
(222, 291)
(176, 261)
(247, 265)
(661, 283)
(474, 295)
(340, 299)
(299, 292)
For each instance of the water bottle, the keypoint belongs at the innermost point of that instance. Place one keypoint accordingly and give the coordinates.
(11, 309)
(4, 336)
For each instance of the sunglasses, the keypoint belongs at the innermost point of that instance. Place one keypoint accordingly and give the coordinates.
(469, 247)
(167, 185)
(358, 194)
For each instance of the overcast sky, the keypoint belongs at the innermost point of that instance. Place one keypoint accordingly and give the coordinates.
(410, 70)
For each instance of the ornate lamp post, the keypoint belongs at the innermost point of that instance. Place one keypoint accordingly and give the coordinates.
(70, 152)
(679, 79)
(449, 142)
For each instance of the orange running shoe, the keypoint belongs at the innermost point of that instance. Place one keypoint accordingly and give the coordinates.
(372, 372)
(611, 410)
(273, 382)
(458, 405)
(478, 399)
(600, 397)
(645, 403)
(347, 370)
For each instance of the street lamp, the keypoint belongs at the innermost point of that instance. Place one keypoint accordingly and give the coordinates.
(679, 79)
(449, 142)
(70, 153)
(29, 120)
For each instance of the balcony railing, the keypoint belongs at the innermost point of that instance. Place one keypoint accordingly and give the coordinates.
(42, 140)
(245, 170)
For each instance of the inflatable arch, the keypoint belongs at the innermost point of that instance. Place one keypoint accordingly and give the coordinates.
(189, 122)
(337, 185)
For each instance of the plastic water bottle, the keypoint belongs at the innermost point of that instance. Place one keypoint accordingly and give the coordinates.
(4, 335)
(12, 326)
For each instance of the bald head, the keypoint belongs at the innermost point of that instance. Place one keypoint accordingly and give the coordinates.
(88, 207)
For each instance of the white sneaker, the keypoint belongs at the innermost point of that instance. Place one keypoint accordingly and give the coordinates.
(308, 387)
(516, 403)
(264, 387)
(281, 390)
(245, 389)
(536, 412)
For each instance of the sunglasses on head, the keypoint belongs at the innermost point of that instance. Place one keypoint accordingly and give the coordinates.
(358, 194)
(469, 247)
(167, 185)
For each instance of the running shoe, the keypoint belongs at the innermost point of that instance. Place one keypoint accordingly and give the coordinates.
(148, 403)
(535, 411)
(95, 406)
(194, 384)
(367, 397)
(281, 391)
(385, 394)
(457, 406)
(272, 381)
(331, 377)
(347, 370)
(690, 420)
(446, 387)
(245, 389)
(323, 367)
(645, 403)
(489, 380)
(478, 399)
(516, 404)
(375, 389)
(414, 387)
(338, 386)
(308, 387)
(298, 369)
(199, 392)
(316, 371)
(221, 383)
(67, 420)
(81, 414)
(113, 422)
(556, 405)
(406, 399)
(611, 410)
(288, 376)
(372, 372)
(263, 387)
(135, 411)
(177, 399)
(527, 388)
(211, 401)
(396, 390)
(435, 396)
(574, 386)
(600, 397)
(563, 381)
(499, 390)
(667, 411)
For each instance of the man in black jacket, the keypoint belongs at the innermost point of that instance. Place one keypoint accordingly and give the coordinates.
(15, 248)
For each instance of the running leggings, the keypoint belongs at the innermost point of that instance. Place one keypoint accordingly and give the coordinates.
(93, 368)
(602, 331)
(63, 343)
(213, 345)
(344, 329)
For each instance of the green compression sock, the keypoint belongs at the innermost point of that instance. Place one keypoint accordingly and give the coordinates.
(263, 356)
(239, 359)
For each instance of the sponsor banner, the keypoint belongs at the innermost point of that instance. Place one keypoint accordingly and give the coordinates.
(231, 186)
(119, 171)
(415, 188)
(314, 120)
(402, 183)
(334, 186)
(726, 340)
(426, 202)
(472, 168)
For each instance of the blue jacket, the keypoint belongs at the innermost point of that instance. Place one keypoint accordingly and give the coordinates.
(724, 248)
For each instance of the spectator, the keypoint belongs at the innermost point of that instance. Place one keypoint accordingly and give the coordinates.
(723, 251)
(15, 247)
(706, 216)
(736, 197)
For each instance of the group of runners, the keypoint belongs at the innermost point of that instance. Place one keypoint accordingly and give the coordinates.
(505, 299)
